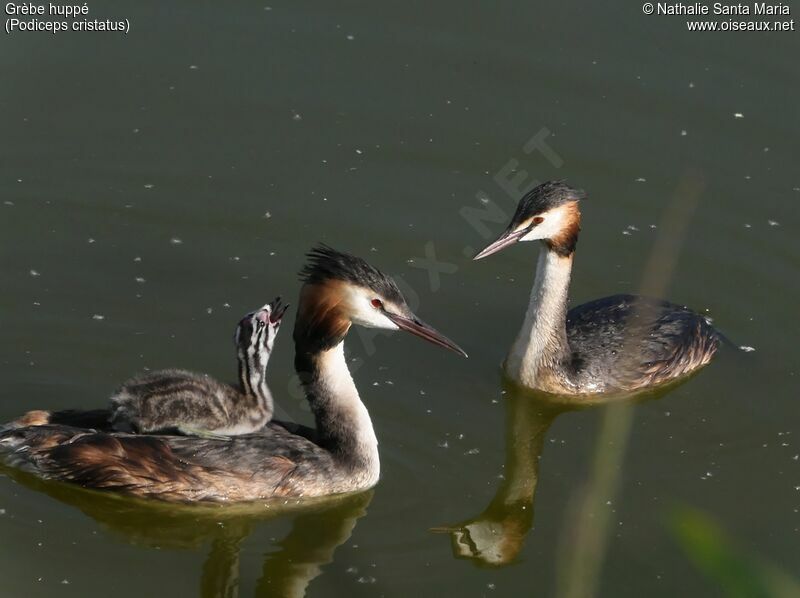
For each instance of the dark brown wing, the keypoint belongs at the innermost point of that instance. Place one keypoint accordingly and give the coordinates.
(271, 464)
(629, 342)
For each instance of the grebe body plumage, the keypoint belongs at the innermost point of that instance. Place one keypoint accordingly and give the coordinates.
(197, 403)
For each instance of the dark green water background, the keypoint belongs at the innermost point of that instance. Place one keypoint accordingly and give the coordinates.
(156, 186)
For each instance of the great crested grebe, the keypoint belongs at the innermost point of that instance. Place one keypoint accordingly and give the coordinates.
(281, 459)
(622, 343)
(196, 404)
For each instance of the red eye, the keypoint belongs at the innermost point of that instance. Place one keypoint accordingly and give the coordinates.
(377, 303)
(538, 220)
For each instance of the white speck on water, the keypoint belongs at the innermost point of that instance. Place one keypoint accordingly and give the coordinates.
(98, 317)
(443, 445)
(267, 215)
(90, 241)
(746, 225)
(193, 67)
(139, 279)
(641, 179)
(632, 227)
(267, 8)
(684, 133)
(653, 226)
(176, 241)
(490, 586)
(351, 570)
(34, 273)
(65, 582)
(8, 203)
(351, 37)
(149, 186)
(626, 232)
(472, 451)
(359, 152)
(773, 223)
(747, 349)
(738, 115)
(209, 310)
(296, 115)
(2, 511)
(366, 579)
(691, 85)
(137, 259)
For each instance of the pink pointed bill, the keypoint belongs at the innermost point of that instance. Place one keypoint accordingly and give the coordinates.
(506, 239)
(423, 330)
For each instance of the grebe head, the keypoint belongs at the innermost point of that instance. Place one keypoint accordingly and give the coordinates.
(547, 213)
(341, 289)
(259, 328)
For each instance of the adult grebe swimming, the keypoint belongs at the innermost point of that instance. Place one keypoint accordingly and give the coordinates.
(281, 460)
(196, 404)
(621, 343)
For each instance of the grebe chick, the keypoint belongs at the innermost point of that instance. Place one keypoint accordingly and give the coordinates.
(197, 404)
(618, 344)
(282, 459)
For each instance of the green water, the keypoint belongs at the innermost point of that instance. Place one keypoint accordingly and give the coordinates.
(156, 186)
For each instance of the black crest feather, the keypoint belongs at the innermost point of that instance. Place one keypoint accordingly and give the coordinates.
(325, 263)
(545, 197)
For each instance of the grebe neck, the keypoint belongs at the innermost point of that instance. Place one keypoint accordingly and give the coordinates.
(253, 375)
(342, 421)
(542, 341)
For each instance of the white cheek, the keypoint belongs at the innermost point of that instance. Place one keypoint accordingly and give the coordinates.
(549, 228)
(364, 314)
(374, 319)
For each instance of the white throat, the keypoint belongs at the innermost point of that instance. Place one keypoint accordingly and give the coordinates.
(345, 417)
(542, 340)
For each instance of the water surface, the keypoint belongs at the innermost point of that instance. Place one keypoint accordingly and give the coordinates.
(155, 187)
